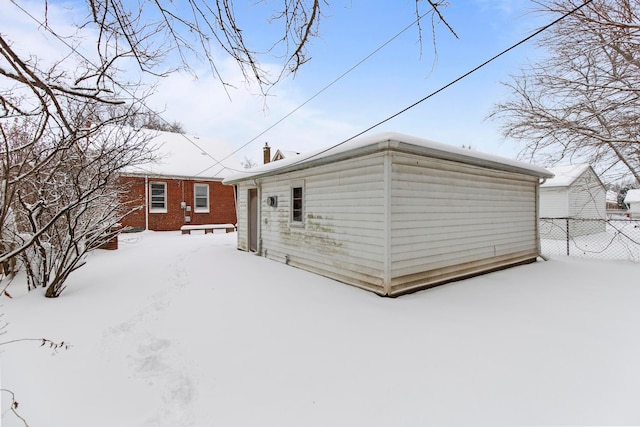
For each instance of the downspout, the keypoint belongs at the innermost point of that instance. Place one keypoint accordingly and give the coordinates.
(183, 204)
(146, 202)
(235, 203)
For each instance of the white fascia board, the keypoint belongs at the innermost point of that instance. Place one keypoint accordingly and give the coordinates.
(388, 142)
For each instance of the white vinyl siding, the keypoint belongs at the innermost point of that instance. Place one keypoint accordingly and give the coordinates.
(391, 222)
(583, 198)
(587, 197)
(450, 219)
(634, 210)
(201, 198)
(554, 202)
(583, 201)
(343, 230)
(633, 204)
(158, 197)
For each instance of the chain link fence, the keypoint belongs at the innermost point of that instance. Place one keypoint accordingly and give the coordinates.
(614, 238)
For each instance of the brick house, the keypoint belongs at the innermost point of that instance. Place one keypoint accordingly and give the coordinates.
(184, 187)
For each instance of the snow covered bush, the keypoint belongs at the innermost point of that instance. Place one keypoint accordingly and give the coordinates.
(61, 195)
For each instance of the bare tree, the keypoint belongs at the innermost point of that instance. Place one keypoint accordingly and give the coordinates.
(56, 170)
(248, 163)
(148, 30)
(154, 121)
(58, 191)
(581, 103)
(77, 200)
(59, 204)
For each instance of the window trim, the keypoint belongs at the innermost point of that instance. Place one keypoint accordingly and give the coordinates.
(196, 209)
(165, 198)
(292, 221)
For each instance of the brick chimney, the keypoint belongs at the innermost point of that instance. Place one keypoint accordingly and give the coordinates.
(266, 153)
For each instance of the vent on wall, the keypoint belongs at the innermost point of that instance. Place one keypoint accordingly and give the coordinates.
(272, 201)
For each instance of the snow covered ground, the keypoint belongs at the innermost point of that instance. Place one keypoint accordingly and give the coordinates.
(175, 330)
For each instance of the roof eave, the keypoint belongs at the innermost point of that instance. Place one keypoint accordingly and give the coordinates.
(171, 176)
(399, 146)
(306, 164)
(473, 160)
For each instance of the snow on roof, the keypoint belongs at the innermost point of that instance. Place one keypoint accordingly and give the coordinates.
(286, 153)
(611, 196)
(565, 175)
(183, 155)
(381, 141)
(633, 196)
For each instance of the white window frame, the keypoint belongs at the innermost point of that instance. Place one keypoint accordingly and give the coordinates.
(165, 198)
(301, 221)
(195, 199)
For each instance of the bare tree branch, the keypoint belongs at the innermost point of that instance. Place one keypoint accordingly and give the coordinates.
(582, 102)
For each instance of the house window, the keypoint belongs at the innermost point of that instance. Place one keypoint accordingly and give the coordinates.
(201, 197)
(297, 204)
(158, 197)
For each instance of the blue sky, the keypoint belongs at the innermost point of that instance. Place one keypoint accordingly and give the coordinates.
(397, 76)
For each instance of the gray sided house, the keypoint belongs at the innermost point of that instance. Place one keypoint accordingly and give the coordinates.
(575, 192)
(391, 213)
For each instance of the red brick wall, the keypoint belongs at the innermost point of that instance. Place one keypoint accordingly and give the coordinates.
(221, 204)
(134, 198)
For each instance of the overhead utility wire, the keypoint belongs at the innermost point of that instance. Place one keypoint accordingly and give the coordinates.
(334, 81)
(218, 162)
(73, 49)
(451, 83)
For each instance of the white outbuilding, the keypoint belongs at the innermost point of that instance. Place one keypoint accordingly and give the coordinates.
(632, 200)
(577, 195)
(391, 213)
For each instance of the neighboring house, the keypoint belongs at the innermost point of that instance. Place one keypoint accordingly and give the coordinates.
(575, 192)
(280, 154)
(611, 198)
(632, 200)
(391, 213)
(184, 186)
(283, 154)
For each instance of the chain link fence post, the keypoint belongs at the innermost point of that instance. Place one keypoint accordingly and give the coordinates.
(568, 239)
(612, 238)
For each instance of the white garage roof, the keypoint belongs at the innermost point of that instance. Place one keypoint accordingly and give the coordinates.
(383, 141)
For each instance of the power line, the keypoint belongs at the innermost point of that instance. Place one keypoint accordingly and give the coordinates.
(219, 162)
(286, 116)
(463, 76)
(74, 50)
(451, 83)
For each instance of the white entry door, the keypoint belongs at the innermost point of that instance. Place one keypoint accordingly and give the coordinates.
(253, 219)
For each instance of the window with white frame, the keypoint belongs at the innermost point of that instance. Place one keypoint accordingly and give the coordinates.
(297, 203)
(158, 192)
(201, 197)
